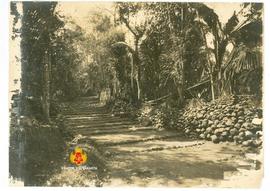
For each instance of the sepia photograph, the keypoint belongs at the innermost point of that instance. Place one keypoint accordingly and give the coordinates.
(136, 94)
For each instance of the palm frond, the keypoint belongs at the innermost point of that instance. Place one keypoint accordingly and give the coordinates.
(242, 62)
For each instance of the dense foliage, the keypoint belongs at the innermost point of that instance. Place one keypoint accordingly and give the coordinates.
(50, 58)
(171, 43)
(145, 51)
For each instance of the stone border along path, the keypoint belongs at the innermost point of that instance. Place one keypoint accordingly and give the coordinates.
(143, 156)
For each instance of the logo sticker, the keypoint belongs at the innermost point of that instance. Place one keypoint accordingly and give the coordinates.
(78, 156)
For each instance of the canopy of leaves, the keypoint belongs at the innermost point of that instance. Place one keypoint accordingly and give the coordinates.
(170, 50)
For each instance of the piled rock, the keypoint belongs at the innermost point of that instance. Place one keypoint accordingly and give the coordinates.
(233, 119)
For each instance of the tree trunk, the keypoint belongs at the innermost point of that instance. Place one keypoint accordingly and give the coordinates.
(210, 65)
(46, 87)
(138, 76)
(132, 71)
(181, 94)
(212, 84)
(138, 88)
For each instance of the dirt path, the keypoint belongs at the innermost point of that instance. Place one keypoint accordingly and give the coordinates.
(125, 153)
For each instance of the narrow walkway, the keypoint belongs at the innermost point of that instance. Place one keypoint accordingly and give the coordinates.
(142, 156)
